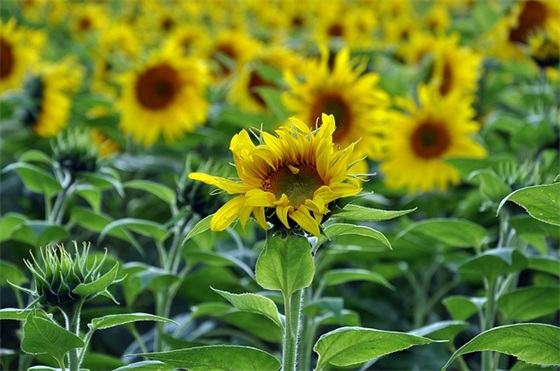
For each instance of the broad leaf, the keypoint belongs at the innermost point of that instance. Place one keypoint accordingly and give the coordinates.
(542, 202)
(10, 223)
(34, 155)
(453, 232)
(39, 232)
(340, 276)
(285, 264)
(91, 194)
(147, 366)
(200, 227)
(104, 181)
(161, 191)
(36, 179)
(253, 303)
(530, 342)
(367, 214)
(218, 357)
(462, 307)
(43, 336)
(144, 227)
(14, 314)
(325, 304)
(495, 262)
(10, 272)
(443, 330)
(490, 185)
(340, 229)
(529, 303)
(348, 346)
(545, 264)
(113, 320)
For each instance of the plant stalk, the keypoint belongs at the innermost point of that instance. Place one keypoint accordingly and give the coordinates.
(292, 311)
(487, 357)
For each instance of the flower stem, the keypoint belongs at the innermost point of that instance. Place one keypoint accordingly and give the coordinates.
(487, 361)
(74, 327)
(292, 311)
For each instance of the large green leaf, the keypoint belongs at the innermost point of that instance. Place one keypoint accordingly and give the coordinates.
(453, 232)
(495, 262)
(144, 227)
(348, 346)
(9, 224)
(529, 303)
(34, 155)
(15, 314)
(140, 276)
(218, 357)
(39, 232)
(113, 320)
(530, 342)
(253, 303)
(161, 191)
(91, 194)
(285, 264)
(366, 214)
(490, 185)
(43, 336)
(325, 304)
(545, 264)
(104, 181)
(35, 178)
(542, 202)
(11, 273)
(340, 229)
(340, 276)
(200, 227)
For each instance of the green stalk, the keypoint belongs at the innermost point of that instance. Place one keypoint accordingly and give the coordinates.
(308, 331)
(292, 311)
(74, 327)
(487, 357)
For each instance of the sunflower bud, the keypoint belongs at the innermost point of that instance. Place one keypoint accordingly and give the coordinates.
(62, 280)
(199, 197)
(74, 151)
(544, 49)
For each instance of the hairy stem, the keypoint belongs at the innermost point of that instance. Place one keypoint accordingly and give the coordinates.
(292, 311)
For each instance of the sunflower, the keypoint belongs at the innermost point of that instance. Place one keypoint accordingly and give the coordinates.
(345, 91)
(545, 49)
(524, 19)
(18, 54)
(293, 175)
(417, 143)
(455, 68)
(165, 95)
(87, 19)
(49, 96)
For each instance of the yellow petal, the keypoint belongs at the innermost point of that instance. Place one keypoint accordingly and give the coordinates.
(304, 219)
(227, 214)
(227, 185)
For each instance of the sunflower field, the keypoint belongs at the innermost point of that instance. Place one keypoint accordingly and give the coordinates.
(279, 185)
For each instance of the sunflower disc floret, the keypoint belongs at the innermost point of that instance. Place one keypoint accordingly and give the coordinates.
(295, 174)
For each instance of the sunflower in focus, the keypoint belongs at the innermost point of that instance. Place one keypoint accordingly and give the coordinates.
(455, 68)
(164, 96)
(345, 91)
(292, 176)
(18, 51)
(48, 93)
(418, 141)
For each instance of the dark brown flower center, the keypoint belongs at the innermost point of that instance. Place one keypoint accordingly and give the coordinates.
(335, 30)
(333, 104)
(430, 139)
(532, 18)
(167, 24)
(230, 53)
(297, 182)
(157, 87)
(7, 61)
(85, 24)
(446, 79)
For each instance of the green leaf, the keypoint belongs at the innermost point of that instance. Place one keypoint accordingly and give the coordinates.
(325, 304)
(10, 223)
(495, 262)
(161, 191)
(453, 232)
(43, 336)
(366, 214)
(253, 303)
(340, 276)
(348, 346)
(443, 330)
(530, 342)
(340, 229)
(96, 287)
(39, 232)
(285, 264)
(218, 357)
(91, 194)
(490, 185)
(529, 303)
(147, 366)
(144, 227)
(140, 276)
(103, 181)
(113, 320)
(200, 227)
(10, 272)
(542, 202)
(35, 178)
(545, 264)
(34, 155)
(14, 314)
(462, 307)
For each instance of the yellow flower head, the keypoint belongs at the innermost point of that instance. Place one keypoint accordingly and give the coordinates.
(344, 90)
(166, 95)
(418, 142)
(296, 173)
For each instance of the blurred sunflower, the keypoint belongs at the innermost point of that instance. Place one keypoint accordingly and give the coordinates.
(544, 49)
(165, 96)
(18, 49)
(48, 96)
(455, 68)
(295, 175)
(104, 145)
(244, 91)
(187, 38)
(345, 91)
(417, 142)
(419, 45)
(514, 30)
(87, 19)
